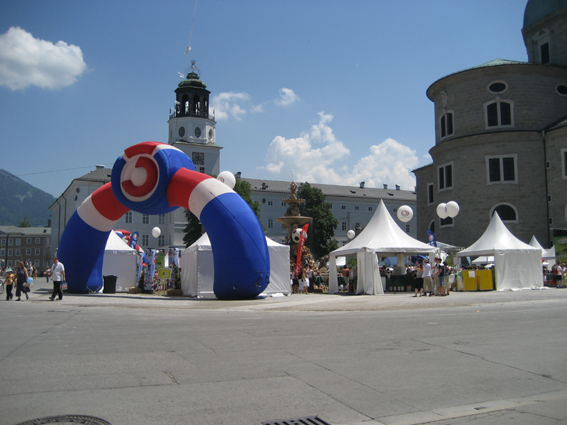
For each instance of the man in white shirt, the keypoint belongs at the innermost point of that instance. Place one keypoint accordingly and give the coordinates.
(427, 283)
(58, 276)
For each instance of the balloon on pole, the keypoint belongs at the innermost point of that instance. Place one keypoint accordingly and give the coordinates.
(452, 209)
(350, 234)
(405, 213)
(227, 178)
(156, 231)
(441, 212)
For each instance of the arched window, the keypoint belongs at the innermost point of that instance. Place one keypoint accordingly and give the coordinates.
(185, 104)
(196, 105)
(506, 212)
(445, 222)
(499, 113)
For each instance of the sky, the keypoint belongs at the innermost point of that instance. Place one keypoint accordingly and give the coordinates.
(320, 91)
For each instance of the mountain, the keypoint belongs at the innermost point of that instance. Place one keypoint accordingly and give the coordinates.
(19, 199)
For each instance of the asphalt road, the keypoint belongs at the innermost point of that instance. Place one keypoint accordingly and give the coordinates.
(470, 358)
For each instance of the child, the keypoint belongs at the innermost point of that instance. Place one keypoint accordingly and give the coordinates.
(9, 284)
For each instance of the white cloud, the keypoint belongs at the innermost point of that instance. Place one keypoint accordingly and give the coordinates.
(287, 97)
(26, 61)
(316, 156)
(227, 105)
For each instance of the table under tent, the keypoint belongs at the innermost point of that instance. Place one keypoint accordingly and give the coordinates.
(517, 265)
(382, 237)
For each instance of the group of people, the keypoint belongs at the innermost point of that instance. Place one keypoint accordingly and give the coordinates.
(21, 277)
(431, 278)
(300, 282)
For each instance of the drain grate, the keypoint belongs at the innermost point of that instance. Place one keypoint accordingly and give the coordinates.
(67, 419)
(311, 420)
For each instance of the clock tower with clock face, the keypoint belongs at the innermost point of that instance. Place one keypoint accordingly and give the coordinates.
(192, 127)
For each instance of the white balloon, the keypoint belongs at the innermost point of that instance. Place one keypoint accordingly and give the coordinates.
(350, 234)
(227, 178)
(441, 212)
(405, 213)
(156, 231)
(452, 209)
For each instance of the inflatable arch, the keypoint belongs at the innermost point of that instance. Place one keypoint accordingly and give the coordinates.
(157, 178)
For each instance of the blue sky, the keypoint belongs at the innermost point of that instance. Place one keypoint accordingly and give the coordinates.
(333, 91)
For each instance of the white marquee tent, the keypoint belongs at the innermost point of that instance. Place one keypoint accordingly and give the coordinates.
(121, 261)
(381, 237)
(198, 274)
(517, 265)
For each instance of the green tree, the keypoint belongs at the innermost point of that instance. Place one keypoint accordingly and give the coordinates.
(25, 222)
(321, 234)
(194, 229)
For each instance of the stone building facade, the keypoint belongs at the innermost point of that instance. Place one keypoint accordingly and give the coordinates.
(501, 140)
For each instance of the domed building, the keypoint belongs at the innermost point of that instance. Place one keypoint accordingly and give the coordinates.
(501, 140)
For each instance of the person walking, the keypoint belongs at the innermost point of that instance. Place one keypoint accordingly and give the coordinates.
(9, 284)
(21, 278)
(58, 276)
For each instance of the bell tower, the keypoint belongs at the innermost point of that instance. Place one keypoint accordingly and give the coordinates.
(192, 127)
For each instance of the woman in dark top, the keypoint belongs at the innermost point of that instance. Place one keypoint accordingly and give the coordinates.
(21, 278)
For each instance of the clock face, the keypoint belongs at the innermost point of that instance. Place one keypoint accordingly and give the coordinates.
(181, 131)
(197, 132)
(211, 133)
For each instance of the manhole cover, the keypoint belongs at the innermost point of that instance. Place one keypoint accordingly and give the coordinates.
(67, 419)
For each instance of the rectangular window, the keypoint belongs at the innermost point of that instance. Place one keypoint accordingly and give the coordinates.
(145, 219)
(343, 207)
(430, 198)
(492, 115)
(128, 217)
(37, 251)
(145, 241)
(17, 252)
(499, 113)
(270, 223)
(10, 242)
(18, 242)
(3, 252)
(9, 263)
(270, 203)
(505, 114)
(3, 242)
(356, 208)
(369, 208)
(446, 124)
(161, 219)
(202, 170)
(161, 240)
(37, 240)
(28, 251)
(445, 176)
(343, 226)
(501, 169)
(544, 52)
(10, 253)
(28, 241)
(36, 263)
(408, 228)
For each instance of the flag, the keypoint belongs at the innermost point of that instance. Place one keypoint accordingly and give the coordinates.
(300, 250)
(432, 240)
(134, 239)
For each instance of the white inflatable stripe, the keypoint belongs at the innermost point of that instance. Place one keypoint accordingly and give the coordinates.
(204, 192)
(90, 215)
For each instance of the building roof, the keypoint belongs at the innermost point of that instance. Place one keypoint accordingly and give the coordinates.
(25, 231)
(539, 9)
(275, 186)
(557, 124)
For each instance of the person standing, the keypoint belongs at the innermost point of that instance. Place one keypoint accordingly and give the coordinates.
(427, 284)
(9, 284)
(441, 271)
(418, 280)
(21, 278)
(58, 276)
(560, 275)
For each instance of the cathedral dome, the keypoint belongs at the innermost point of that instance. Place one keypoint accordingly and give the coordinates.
(539, 9)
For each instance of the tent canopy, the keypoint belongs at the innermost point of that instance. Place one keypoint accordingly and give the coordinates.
(121, 261)
(517, 264)
(197, 271)
(382, 236)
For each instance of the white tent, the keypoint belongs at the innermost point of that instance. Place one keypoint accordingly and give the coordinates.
(517, 265)
(120, 260)
(484, 259)
(381, 237)
(198, 275)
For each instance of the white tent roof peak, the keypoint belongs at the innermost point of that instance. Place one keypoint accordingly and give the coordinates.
(383, 235)
(495, 238)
